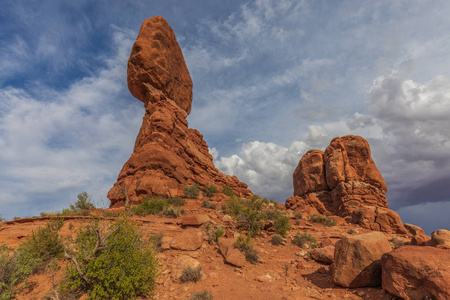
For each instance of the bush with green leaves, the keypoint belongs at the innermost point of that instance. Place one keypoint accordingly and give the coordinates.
(152, 206)
(208, 204)
(298, 215)
(190, 274)
(210, 190)
(323, 219)
(226, 190)
(84, 202)
(40, 247)
(282, 225)
(277, 240)
(245, 245)
(303, 239)
(272, 214)
(214, 233)
(192, 191)
(202, 295)
(248, 213)
(171, 212)
(177, 201)
(111, 261)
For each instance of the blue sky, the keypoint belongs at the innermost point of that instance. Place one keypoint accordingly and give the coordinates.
(272, 79)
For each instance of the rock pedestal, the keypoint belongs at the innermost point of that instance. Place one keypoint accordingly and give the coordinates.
(167, 154)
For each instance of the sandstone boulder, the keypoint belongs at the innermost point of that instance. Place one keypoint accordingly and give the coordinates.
(413, 229)
(412, 272)
(231, 255)
(379, 219)
(188, 240)
(357, 259)
(194, 220)
(167, 154)
(441, 238)
(323, 255)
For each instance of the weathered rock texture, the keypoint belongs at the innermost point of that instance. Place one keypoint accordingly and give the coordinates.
(412, 272)
(167, 154)
(344, 181)
(357, 259)
(339, 180)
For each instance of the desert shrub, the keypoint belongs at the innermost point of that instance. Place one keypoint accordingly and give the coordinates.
(277, 239)
(210, 190)
(110, 214)
(192, 191)
(156, 240)
(248, 213)
(84, 202)
(171, 212)
(40, 247)
(214, 233)
(272, 214)
(302, 239)
(202, 295)
(323, 219)
(152, 206)
(176, 201)
(245, 245)
(191, 274)
(298, 215)
(111, 261)
(45, 243)
(15, 266)
(78, 212)
(208, 204)
(282, 225)
(226, 190)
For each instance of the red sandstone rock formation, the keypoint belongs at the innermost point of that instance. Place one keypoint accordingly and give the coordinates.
(344, 181)
(412, 272)
(167, 154)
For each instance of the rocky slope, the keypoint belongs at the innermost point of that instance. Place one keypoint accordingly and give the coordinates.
(167, 155)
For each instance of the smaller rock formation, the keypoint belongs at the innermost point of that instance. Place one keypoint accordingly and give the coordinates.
(324, 255)
(344, 181)
(441, 238)
(357, 259)
(231, 255)
(188, 240)
(412, 272)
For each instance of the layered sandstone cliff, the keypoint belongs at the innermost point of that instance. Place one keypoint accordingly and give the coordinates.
(167, 154)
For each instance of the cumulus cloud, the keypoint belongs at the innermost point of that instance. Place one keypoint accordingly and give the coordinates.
(266, 167)
(63, 142)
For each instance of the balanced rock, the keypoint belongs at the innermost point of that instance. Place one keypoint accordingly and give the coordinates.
(412, 272)
(167, 154)
(357, 259)
(343, 178)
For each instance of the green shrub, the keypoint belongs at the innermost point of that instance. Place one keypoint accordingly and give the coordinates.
(248, 213)
(303, 239)
(202, 295)
(191, 274)
(40, 247)
(110, 214)
(192, 191)
(152, 206)
(71, 212)
(323, 219)
(226, 190)
(245, 245)
(45, 243)
(214, 233)
(208, 204)
(277, 239)
(210, 190)
(176, 201)
(111, 262)
(272, 214)
(84, 202)
(282, 225)
(298, 215)
(171, 212)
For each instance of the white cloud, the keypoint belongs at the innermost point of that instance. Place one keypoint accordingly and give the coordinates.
(63, 142)
(266, 167)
